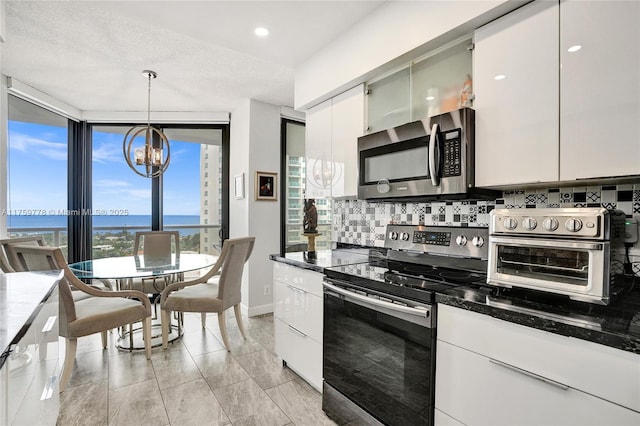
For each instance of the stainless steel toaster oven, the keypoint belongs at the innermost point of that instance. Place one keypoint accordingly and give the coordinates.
(567, 251)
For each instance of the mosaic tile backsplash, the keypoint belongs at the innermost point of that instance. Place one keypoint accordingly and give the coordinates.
(364, 223)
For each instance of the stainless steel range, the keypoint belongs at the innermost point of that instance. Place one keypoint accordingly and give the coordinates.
(567, 251)
(380, 323)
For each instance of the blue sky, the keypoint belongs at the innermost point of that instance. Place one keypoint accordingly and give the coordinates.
(38, 173)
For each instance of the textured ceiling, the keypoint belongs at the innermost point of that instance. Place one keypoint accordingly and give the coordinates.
(90, 54)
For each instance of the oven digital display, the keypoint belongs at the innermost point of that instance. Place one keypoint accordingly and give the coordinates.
(432, 238)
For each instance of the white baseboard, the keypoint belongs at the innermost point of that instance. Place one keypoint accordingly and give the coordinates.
(254, 311)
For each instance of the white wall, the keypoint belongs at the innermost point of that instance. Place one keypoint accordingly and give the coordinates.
(255, 146)
(390, 36)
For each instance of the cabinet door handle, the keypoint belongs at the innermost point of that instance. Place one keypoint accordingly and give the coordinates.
(49, 324)
(297, 331)
(528, 373)
(296, 289)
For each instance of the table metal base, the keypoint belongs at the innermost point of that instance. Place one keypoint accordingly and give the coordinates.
(127, 337)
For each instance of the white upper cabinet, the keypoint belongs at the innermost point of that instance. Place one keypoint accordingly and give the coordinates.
(599, 89)
(319, 168)
(348, 125)
(515, 79)
(332, 131)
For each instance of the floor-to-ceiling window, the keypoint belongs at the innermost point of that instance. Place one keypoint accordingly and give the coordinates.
(191, 199)
(37, 172)
(193, 188)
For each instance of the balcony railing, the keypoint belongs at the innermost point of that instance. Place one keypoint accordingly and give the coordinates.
(118, 240)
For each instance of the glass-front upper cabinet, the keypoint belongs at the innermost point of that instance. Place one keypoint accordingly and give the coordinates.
(432, 84)
(389, 100)
(442, 82)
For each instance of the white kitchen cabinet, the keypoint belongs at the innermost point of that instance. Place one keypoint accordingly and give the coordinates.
(30, 374)
(558, 113)
(490, 371)
(298, 304)
(599, 89)
(515, 81)
(332, 131)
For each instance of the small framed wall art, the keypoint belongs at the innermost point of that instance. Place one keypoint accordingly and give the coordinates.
(266, 186)
(239, 186)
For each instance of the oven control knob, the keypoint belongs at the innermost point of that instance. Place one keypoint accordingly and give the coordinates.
(529, 223)
(550, 224)
(404, 236)
(510, 223)
(461, 240)
(477, 241)
(573, 224)
(393, 235)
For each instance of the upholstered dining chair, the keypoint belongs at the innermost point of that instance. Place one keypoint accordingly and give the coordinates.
(8, 260)
(205, 294)
(103, 311)
(155, 246)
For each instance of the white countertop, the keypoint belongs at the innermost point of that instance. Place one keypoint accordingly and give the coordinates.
(21, 297)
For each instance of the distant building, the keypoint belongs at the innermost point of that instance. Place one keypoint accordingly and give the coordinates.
(210, 195)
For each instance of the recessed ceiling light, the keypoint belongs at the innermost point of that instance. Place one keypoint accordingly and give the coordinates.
(430, 98)
(261, 32)
(500, 77)
(574, 48)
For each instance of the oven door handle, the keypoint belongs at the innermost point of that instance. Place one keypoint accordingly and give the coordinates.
(419, 311)
(529, 242)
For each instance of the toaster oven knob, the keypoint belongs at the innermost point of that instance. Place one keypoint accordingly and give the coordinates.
(510, 223)
(393, 235)
(529, 223)
(404, 236)
(461, 240)
(477, 241)
(550, 224)
(573, 224)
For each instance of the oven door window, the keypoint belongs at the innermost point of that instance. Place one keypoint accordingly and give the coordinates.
(395, 162)
(556, 264)
(382, 363)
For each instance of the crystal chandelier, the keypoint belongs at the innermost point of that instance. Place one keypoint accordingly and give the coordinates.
(153, 157)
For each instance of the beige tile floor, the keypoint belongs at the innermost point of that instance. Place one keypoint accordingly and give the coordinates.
(194, 382)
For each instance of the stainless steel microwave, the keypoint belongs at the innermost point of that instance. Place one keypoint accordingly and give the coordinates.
(426, 159)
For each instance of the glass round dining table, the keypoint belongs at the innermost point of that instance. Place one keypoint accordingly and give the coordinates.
(125, 267)
(127, 271)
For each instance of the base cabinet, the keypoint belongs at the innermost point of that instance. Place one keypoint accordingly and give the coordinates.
(490, 371)
(298, 320)
(29, 377)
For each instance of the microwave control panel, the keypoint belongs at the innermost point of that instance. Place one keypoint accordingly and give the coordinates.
(452, 147)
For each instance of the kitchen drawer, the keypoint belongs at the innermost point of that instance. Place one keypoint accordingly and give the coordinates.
(605, 372)
(303, 279)
(302, 353)
(478, 391)
(299, 308)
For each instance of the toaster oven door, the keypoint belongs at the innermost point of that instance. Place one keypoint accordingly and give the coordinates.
(578, 269)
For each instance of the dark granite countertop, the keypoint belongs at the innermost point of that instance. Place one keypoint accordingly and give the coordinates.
(616, 325)
(22, 295)
(327, 258)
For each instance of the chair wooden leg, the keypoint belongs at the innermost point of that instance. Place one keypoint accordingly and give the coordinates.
(104, 339)
(69, 359)
(223, 330)
(203, 319)
(166, 324)
(236, 309)
(146, 333)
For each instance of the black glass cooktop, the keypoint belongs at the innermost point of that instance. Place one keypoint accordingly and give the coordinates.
(407, 280)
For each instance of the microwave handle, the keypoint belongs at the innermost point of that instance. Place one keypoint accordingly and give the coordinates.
(433, 142)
